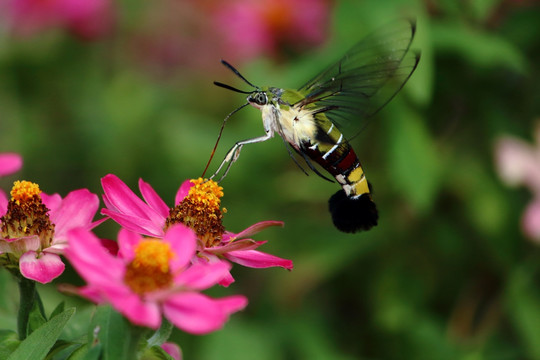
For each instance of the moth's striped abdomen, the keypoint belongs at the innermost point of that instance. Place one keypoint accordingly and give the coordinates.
(352, 207)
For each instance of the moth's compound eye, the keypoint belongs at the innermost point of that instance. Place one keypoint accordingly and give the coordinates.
(261, 98)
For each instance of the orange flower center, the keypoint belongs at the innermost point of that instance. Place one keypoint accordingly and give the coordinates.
(150, 270)
(24, 191)
(200, 210)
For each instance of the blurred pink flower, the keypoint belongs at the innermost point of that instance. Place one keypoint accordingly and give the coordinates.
(88, 19)
(255, 27)
(9, 164)
(34, 226)
(197, 206)
(518, 163)
(153, 277)
(195, 34)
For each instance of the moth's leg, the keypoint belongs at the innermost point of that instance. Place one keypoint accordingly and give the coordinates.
(234, 153)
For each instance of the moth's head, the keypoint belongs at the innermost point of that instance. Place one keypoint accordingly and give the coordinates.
(258, 98)
(264, 96)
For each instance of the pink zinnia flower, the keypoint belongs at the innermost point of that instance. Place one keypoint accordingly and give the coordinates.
(252, 27)
(518, 163)
(9, 164)
(197, 206)
(87, 19)
(34, 226)
(152, 277)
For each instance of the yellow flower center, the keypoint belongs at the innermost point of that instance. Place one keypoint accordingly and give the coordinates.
(200, 210)
(206, 194)
(149, 270)
(27, 215)
(24, 191)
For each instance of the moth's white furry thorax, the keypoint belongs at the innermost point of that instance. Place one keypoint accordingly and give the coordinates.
(294, 125)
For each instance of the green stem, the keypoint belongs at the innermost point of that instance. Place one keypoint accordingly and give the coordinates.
(162, 334)
(27, 292)
(132, 344)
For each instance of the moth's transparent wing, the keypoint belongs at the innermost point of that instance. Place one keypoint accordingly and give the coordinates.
(365, 79)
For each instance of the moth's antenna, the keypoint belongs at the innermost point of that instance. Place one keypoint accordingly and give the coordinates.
(237, 73)
(229, 87)
(219, 136)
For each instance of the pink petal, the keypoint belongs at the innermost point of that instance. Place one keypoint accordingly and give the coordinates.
(10, 163)
(92, 293)
(126, 302)
(232, 304)
(135, 310)
(244, 244)
(253, 229)
(19, 246)
(120, 198)
(257, 259)
(183, 191)
(91, 260)
(52, 202)
(201, 276)
(173, 350)
(110, 245)
(42, 268)
(136, 224)
(208, 258)
(57, 249)
(183, 243)
(227, 280)
(77, 210)
(127, 241)
(153, 199)
(199, 314)
(97, 222)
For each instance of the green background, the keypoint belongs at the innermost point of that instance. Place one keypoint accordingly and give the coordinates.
(447, 273)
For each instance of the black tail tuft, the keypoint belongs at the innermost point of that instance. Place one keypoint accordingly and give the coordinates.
(352, 214)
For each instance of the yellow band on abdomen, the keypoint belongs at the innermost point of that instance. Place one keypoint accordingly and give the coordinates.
(358, 181)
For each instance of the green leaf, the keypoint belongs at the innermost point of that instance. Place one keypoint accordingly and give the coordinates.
(36, 317)
(78, 353)
(59, 309)
(59, 345)
(94, 353)
(37, 345)
(85, 352)
(9, 341)
(118, 338)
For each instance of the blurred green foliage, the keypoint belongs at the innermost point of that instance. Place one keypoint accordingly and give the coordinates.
(447, 274)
